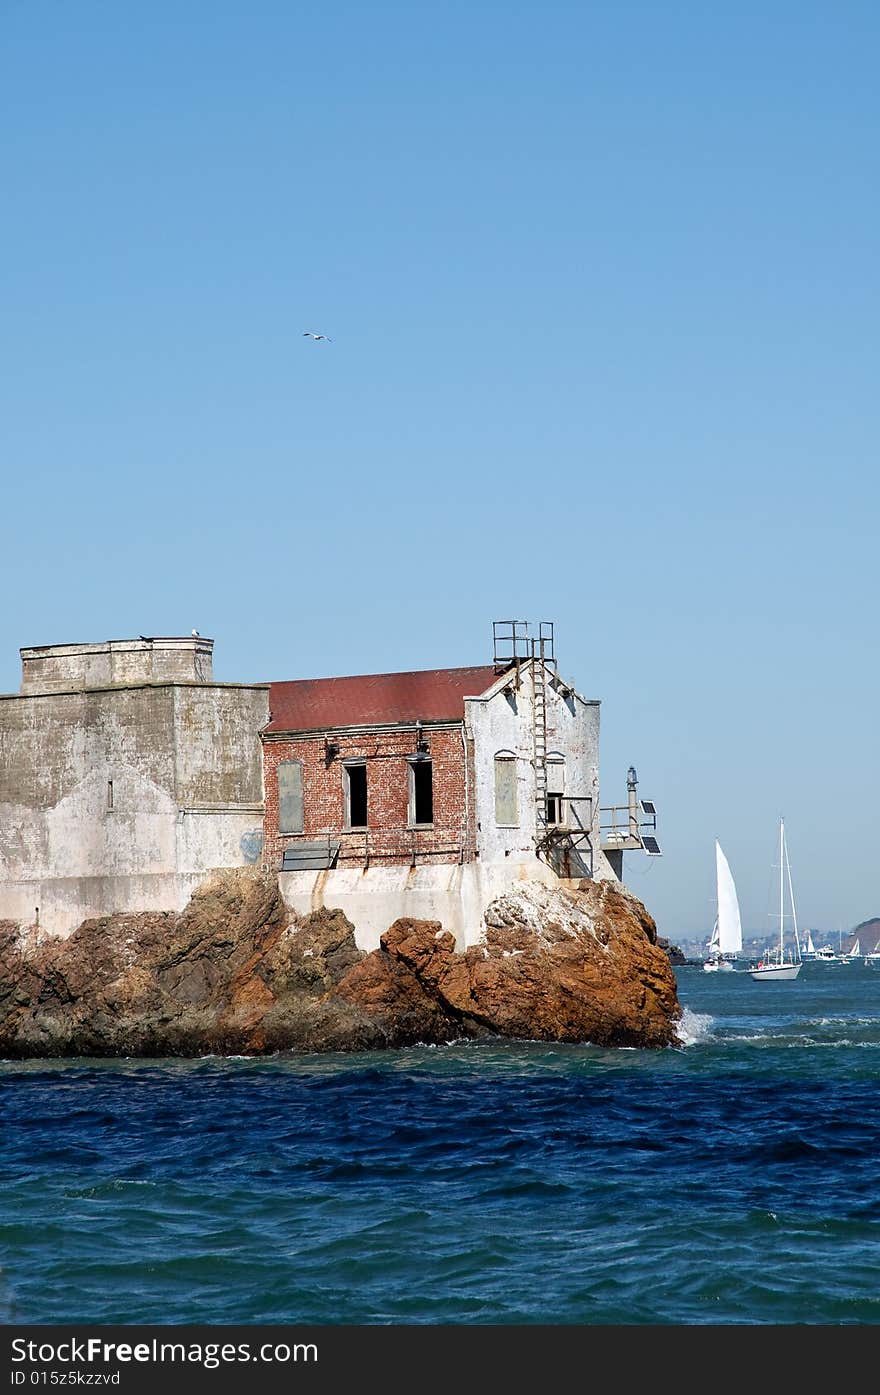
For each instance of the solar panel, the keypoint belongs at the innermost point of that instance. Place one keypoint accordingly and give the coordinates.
(648, 807)
(651, 846)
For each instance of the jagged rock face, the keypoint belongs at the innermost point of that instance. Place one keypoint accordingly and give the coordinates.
(675, 952)
(235, 972)
(556, 966)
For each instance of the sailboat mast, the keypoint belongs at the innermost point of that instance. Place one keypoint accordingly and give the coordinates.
(797, 938)
(781, 884)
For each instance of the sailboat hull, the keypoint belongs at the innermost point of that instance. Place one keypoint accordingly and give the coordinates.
(775, 971)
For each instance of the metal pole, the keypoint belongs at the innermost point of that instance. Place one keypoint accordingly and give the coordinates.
(781, 883)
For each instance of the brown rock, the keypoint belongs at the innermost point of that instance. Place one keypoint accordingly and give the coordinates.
(557, 965)
(237, 973)
(387, 990)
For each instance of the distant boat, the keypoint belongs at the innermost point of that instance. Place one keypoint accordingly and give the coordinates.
(826, 955)
(821, 954)
(781, 963)
(873, 956)
(726, 941)
(855, 952)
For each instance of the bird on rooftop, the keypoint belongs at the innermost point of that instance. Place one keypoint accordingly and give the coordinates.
(195, 634)
(307, 334)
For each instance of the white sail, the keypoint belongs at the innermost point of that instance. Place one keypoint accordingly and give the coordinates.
(729, 927)
(855, 951)
(811, 948)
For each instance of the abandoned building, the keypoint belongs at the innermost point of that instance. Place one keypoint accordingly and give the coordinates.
(127, 774)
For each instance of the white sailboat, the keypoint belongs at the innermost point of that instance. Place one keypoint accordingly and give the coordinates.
(779, 963)
(809, 949)
(855, 952)
(726, 938)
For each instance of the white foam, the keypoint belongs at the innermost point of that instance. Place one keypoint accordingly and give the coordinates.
(693, 1027)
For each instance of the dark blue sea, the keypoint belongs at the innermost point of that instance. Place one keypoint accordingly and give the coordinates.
(731, 1179)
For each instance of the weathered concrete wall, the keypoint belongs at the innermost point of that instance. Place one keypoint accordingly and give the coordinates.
(502, 723)
(60, 904)
(457, 896)
(218, 756)
(124, 798)
(52, 668)
(58, 756)
(209, 838)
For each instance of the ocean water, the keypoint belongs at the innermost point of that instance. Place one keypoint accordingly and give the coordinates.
(731, 1179)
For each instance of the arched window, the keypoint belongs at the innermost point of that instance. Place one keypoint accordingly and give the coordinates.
(505, 789)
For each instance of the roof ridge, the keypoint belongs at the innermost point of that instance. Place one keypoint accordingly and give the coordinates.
(374, 699)
(394, 673)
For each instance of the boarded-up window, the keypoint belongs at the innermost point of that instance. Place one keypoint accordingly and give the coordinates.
(290, 796)
(505, 790)
(555, 774)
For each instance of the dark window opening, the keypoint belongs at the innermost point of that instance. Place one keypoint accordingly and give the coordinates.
(109, 794)
(357, 795)
(554, 808)
(422, 791)
(555, 787)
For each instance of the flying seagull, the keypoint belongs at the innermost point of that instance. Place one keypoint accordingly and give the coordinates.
(307, 334)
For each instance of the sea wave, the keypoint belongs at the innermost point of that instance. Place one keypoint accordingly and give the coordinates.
(693, 1027)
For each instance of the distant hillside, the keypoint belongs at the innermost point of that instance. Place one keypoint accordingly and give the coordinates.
(867, 932)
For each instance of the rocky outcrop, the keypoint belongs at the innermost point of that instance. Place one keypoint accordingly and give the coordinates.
(237, 973)
(675, 952)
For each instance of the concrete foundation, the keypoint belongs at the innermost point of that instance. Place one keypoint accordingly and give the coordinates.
(456, 896)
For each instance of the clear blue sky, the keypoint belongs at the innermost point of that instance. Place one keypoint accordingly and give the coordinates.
(602, 285)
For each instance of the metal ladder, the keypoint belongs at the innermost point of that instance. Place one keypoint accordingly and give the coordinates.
(539, 736)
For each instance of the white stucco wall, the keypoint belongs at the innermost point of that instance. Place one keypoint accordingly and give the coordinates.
(503, 721)
(456, 894)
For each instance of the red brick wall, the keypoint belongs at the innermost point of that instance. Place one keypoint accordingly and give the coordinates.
(388, 841)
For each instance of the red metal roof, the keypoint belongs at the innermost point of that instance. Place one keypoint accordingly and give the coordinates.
(375, 699)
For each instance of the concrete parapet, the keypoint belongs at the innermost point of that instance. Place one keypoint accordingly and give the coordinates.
(54, 668)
